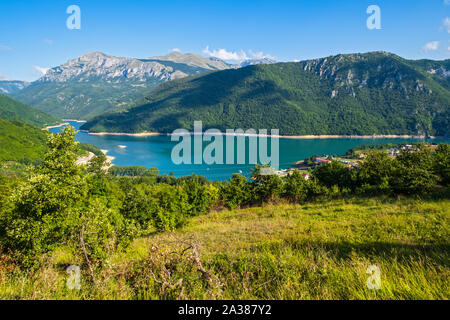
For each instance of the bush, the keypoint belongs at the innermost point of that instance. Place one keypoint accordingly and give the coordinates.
(234, 193)
(334, 174)
(53, 206)
(201, 197)
(295, 188)
(374, 173)
(441, 163)
(265, 187)
(413, 172)
(163, 206)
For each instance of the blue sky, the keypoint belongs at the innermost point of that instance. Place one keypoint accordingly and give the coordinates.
(34, 36)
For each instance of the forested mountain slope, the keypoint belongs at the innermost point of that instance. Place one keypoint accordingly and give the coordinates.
(354, 94)
(14, 110)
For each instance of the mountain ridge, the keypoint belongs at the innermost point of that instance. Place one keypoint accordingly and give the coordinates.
(351, 94)
(95, 83)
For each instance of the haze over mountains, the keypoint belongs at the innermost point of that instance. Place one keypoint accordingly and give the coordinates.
(352, 94)
(12, 86)
(96, 83)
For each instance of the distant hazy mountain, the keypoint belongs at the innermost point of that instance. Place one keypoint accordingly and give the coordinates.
(252, 62)
(12, 86)
(352, 94)
(193, 60)
(14, 110)
(95, 82)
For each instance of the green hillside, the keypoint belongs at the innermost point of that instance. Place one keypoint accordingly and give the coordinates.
(83, 100)
(19, 141)
(14, 110)
(359, 94)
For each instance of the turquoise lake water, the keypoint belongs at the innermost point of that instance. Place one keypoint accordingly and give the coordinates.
(155, 152)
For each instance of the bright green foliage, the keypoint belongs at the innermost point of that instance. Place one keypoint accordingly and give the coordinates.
(334, 174)
(374, 173)
(51, 208)
(21, 142)
(161, 206)
(201, 197)
(86, 148)
(296, 187)
(235, 192)
(376, 167)
(96, 165)
(413, 172)
(47, 206)
(265, 187)
(442, 163)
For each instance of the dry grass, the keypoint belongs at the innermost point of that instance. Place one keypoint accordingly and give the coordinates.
(284, 251)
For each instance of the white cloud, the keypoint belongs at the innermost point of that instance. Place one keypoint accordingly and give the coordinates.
(5, 48)
(41, 70)
(447, 2)
(48, 41)
(261, 55)
(431, 46)
(226, 55)
(235, 56)
(176, 50)
(447, 24)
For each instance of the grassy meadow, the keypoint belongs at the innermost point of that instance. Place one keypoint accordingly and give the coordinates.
(318, 250)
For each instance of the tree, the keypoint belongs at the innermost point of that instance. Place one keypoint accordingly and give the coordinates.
(413, 172)
(234, 193)
(375, 171)
(97, 165)
(198, 195)
(441, 163)
(295, 188)
(46, 206)
(266, 187)
(334, 174)
(54, 206)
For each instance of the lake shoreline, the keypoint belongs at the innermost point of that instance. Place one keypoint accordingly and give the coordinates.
(56, 126)
(153, 134)
(109, 159)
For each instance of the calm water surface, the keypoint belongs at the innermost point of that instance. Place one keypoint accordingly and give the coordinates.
(156, 152)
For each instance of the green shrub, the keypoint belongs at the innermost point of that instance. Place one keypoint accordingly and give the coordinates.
(295, 188)
(234, 192)
(52, 206)
(441, 163)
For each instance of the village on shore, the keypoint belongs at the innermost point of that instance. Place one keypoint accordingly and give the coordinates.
(350, 160)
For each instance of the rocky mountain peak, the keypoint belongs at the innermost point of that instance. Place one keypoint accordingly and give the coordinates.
(97, 66)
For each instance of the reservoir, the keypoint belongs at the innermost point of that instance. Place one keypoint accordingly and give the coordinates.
(156, 151)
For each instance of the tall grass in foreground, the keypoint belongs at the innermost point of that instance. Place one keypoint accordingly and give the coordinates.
(313, 251)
